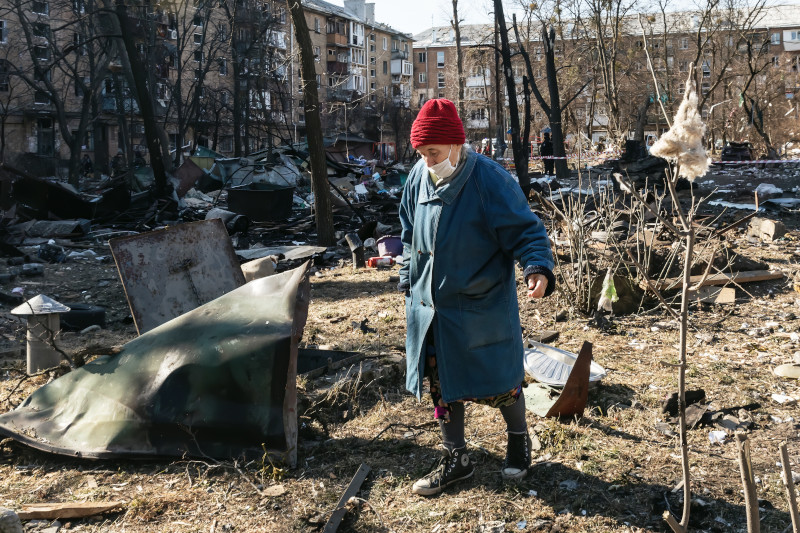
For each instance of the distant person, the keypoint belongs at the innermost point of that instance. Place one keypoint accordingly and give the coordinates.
(86, 165)
(118, 164)
(546, 151)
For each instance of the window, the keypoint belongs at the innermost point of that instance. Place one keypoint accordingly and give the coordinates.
(40, 7)
(198, 55)
(40, 97)
(372, 73)
(775, 63)
(385, 43)
(316, 53)
(331, 82)
(775, 38)
(198, 73)
(684, 43)
(223, 67)
(224, 97)
(441, 80)
(385, 67)
(40, 30)
(42, 53)
(372, 86)
(2, 31)
(198, 19)
(198, 38)
(371, 47)
(706, 68)
(317, 27)
(422, 57)
(683, 66)
(3, 75)
(282, 15)
(793, 35)
(226, 143)
(705, 88)
(440, 59)
(222, 33)
(423, 77)
(78, 41)
(78, 6)
(373, 60)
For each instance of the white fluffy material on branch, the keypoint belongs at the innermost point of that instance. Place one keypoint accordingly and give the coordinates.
(683, 143)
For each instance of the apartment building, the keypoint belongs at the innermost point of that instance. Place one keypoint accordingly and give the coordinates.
(363, 69)
(221, 74)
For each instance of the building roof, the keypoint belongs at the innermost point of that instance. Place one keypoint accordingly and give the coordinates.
(339, 11)
(775, 16)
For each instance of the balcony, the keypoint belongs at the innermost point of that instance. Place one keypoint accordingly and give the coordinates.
(399, 54)
(478, 81)
(339, 95)
(478, 123)
(401, 68)
(338, 67)
(337, 39)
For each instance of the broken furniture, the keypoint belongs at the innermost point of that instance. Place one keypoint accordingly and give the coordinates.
(218, 381)
(166, 273)
(43, 326)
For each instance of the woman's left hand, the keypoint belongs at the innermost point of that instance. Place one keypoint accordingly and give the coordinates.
(537, 285)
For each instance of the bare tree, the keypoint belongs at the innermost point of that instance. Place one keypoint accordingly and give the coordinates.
(319, 169)
(456, 24)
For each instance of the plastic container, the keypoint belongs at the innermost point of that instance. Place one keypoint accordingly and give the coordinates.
(390, 245)
(374, 262)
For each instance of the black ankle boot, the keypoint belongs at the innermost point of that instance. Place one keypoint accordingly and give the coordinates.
(452, 467)
(518, 456)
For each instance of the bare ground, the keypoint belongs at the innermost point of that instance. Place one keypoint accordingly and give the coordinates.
(611, 470)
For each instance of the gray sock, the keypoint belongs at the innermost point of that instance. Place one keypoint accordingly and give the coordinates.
(453, 431)
(514, 415)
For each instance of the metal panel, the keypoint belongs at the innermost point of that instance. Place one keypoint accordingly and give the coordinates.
(166, 273)
(218, 381)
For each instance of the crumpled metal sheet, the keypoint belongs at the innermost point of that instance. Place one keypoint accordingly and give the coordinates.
(217, 381)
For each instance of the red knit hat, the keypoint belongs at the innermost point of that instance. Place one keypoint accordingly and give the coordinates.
(437, 123)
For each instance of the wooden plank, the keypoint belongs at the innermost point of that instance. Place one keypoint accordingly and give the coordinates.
(352, 489)
(51, 511)
(721, 279)
(714, 295)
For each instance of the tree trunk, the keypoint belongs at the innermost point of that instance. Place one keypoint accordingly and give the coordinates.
(138, 74)
(319, 169)
(549, 41)
(641, 119)
(459, 61)
(520, 161)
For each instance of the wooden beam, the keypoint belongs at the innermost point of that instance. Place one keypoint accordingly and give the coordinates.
(720, 279)
(352, 489)
(51, 511)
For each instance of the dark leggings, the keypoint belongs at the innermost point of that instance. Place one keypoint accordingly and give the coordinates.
(453, 431)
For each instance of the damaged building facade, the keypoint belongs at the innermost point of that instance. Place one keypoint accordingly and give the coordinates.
(224, 75)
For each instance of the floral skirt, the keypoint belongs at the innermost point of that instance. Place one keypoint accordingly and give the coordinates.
(441, 410)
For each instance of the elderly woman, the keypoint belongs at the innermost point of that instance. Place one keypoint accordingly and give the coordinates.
(464, 223)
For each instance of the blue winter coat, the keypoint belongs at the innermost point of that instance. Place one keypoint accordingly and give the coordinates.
(459, 246)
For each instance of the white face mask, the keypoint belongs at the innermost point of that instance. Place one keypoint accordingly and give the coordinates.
(445, 168)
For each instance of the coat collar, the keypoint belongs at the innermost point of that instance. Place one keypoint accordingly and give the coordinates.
(447, 192)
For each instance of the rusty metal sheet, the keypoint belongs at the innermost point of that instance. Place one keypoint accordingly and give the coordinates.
(168, 272)
(218, 381)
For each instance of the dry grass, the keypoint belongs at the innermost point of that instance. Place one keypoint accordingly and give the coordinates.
(611, 470)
